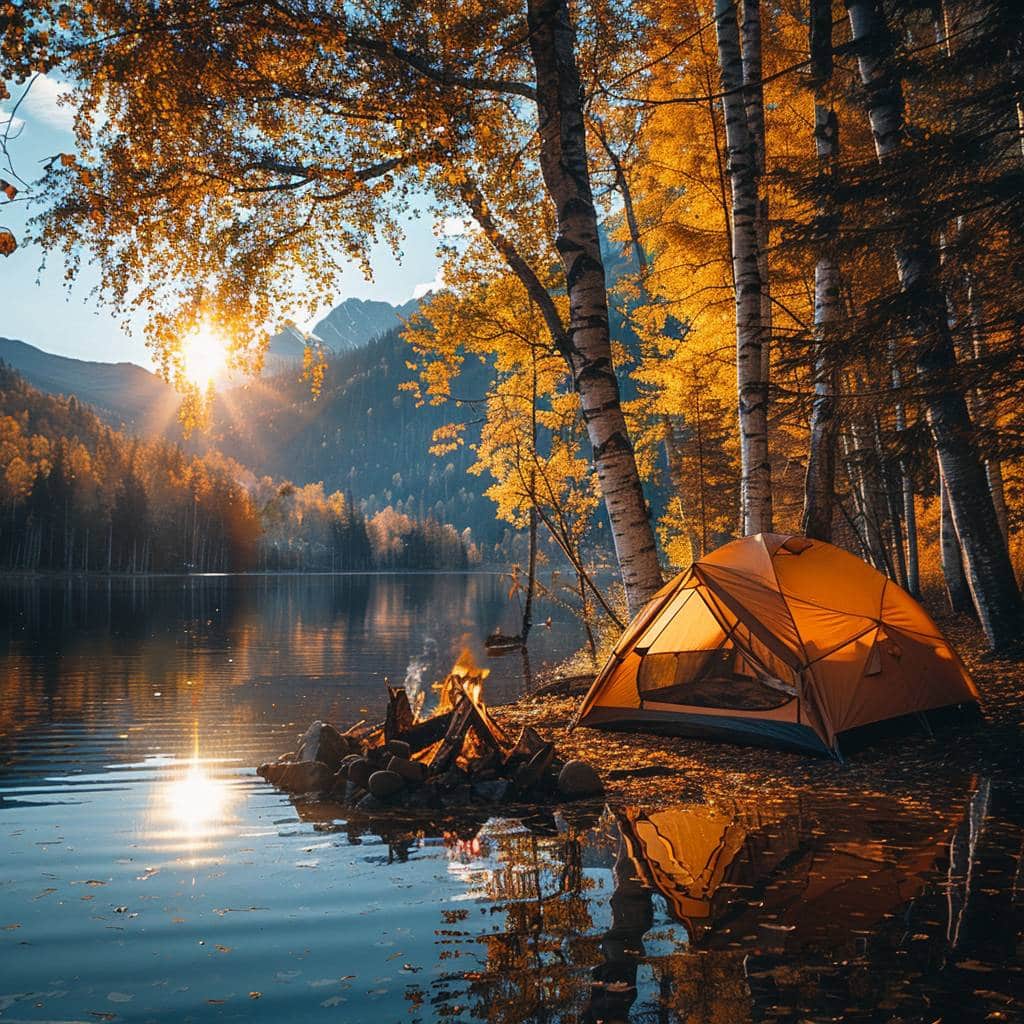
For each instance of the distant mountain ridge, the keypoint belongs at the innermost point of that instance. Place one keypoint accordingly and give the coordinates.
(121, 393)
(354, 322)
(125, 394)
(363, 435)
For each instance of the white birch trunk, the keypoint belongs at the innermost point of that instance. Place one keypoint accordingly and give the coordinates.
(566, 172)
(753, 101)
(957, 592)
(819, 483)
(752, 388)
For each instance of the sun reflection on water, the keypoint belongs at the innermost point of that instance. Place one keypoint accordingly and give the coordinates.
(196, 801)
(192, 805)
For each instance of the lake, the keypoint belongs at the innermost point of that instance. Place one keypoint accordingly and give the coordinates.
(147, 874)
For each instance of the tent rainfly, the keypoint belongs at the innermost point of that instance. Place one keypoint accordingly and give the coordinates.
(776, 640)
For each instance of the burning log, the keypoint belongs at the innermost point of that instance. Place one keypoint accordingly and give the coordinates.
(427, 733)
(457, 756)
(399, 717)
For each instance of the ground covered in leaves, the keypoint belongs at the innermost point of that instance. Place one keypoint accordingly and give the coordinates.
(662, 770)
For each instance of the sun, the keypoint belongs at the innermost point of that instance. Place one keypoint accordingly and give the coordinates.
(203, 357)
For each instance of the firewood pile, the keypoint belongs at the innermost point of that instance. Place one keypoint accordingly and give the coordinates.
(455, 757)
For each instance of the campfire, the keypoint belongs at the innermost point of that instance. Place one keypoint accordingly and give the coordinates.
(457, 755)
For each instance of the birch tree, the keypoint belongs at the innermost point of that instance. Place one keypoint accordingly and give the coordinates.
(565, 168)
(339, 115)
(987, 564)
(819, 487)
(752, 388)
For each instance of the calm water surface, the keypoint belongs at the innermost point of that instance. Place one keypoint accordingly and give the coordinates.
(146, 873)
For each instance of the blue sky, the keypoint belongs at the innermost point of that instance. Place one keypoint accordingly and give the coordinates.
(36, 306)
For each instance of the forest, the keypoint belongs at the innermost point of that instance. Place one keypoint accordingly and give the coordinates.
(79, 496)
(818, 326)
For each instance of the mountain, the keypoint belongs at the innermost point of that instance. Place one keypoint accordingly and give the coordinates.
(286, 349)
(121, 393)
(127, 395)
(356, 321)
(362, 435)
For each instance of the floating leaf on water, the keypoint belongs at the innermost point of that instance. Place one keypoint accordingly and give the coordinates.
(118, 997)
(974, 965)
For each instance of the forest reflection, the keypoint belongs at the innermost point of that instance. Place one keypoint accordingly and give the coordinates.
(143, 658)
(797, 906)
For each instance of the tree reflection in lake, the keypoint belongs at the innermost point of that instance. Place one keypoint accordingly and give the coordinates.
(130, 717)
(797, 910)
(245, 655)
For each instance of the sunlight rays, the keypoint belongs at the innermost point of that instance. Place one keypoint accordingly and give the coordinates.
(204, 357)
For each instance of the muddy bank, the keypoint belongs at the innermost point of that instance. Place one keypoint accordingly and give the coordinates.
(658, 770)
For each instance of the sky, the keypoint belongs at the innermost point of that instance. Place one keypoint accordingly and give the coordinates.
(37, 307)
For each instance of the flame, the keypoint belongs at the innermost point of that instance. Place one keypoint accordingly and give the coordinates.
(465, 677)
(472, 748)
(466, 666)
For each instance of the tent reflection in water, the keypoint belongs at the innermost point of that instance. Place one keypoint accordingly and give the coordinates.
(702, 859)
(777, 640)
(798, 899)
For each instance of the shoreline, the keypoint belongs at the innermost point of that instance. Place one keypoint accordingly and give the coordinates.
(666, 770)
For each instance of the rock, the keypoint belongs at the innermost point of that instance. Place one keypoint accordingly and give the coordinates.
(378, 756)
(339, 784)
(359, 772)
(385, 784)
(370, 803)
(578, 780)
(460, 796)
(399, 748)
(411, 771)
(533, 771)
(453, 778)
(492, 791)
(346, 762)
(322, 742)
(298, 776)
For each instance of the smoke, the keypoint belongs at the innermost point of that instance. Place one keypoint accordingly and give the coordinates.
(420, 672)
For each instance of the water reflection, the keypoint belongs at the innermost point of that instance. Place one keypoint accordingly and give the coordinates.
(249, 656)
(147, 874)
(193, 807)
(730, 914)
(794, 910)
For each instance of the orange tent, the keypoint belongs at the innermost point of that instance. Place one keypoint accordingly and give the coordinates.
(778, 640)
